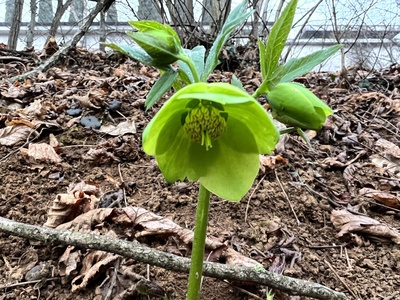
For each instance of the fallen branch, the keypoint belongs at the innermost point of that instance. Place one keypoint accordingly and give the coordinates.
(168, 261)
(56, 57)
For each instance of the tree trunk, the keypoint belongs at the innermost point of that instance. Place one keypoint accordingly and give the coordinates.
(15, 25)
(215, 14)
(103, 33)
(61, 8)
(32, 24)
(256, 4)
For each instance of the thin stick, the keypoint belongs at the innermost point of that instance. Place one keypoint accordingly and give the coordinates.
(251, 195)
(244, 291)
(6, 286)
(140, 253)
(287, 198)
(341, 279)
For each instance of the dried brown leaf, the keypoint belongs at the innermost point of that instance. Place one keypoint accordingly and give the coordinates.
(351, 223)
(86, 221)
(100, 156)
(16, 134)
(14, 92)
(85, 101)
(270, 162)
(92, 265)
(387, 147)
(235, 258)
(69, 262)
(121, 129)
(40, 153)
(385, 198)
(67, 206)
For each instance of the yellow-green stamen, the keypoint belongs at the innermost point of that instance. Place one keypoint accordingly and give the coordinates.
(203, 124)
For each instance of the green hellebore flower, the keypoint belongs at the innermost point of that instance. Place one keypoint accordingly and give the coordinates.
(160, 41)
(294, 105)
(213, 133)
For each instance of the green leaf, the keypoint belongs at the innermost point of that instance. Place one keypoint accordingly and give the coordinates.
(146, 26)
(133, 51)
(299, 66)
(162, 51)
(237, 83)
(162, 85)
(235, 18)
(263, 64)
(184, 77)
(277, 39)
(197, 55)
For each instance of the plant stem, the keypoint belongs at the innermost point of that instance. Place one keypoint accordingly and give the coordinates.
(200, 230)
(261, 89)
(192, 67)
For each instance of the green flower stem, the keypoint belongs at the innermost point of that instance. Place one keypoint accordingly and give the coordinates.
(191, 65)
(262, 89)
(199, 240)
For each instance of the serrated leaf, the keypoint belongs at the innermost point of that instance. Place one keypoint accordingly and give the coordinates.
(133, 51)
(236, 17)
(299, 66)
(162, 85)
(277, 38)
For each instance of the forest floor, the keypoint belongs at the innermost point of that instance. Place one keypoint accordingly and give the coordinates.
(329, 215)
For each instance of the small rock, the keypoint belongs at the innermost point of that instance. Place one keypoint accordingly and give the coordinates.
(91, 122)
(114, 105)
(74, 112)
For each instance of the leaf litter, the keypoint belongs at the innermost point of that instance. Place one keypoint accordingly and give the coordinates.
(96, 179)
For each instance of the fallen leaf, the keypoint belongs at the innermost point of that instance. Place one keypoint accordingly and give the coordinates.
(351, 223)
(121, 129)
(40, 153)
(16, 134)
(385, 198)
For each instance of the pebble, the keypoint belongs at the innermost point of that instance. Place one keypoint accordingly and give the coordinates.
(74, 112)
(114, 105)
(90, 122)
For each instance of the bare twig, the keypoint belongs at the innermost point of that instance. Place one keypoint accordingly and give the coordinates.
(341, 279)
(251, 195)
(55, 58)
(287, 198)
(168, 261)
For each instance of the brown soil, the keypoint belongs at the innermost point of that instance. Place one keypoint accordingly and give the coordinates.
(314, 183)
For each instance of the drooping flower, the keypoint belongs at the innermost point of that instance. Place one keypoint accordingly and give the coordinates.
(159, 41)
(294, 105)
(213, 133)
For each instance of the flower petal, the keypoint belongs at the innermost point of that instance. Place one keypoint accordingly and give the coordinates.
(220, 92)
(232, 163)
(170, 110)
(260, 124)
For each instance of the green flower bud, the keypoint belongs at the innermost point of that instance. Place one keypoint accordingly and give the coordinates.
(294, 105)
(204, 124)
(160, 41)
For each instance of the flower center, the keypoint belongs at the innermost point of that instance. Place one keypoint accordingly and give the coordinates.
(205, 123)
